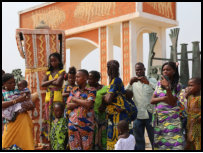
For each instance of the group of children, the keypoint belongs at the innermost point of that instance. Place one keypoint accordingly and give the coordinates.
(60, 132)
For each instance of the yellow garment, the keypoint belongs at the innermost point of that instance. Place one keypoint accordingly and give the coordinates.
(19, 132)
(57, 94)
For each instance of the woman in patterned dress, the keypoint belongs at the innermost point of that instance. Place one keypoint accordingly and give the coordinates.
(53, 81)
(18, 132)
(166, 118)
(81, 119)
(117, 106)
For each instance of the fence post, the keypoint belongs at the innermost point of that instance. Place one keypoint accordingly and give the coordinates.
(184, 69)
(196, 64)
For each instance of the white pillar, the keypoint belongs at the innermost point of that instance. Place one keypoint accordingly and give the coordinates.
(133, 47)
(109, 37)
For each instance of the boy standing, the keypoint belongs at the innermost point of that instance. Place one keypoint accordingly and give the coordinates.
(81, 118)
(194, 115)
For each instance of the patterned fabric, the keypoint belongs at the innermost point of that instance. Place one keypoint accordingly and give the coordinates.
(9, 113)
(100, 132)
(196, 125)
(119, 101)
(81, 120)
(59, 134)
(20, 128)
(67, 89)
(182, 103)
(167, 125)
(53, 94)
(58, 92)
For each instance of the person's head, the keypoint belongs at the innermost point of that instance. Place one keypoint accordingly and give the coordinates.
(3, 72)
(194, 85)
(22, 85)
(55, 62)
(123, 127)
(170, 70)
(129, 94)
(58, 109)
(8, 81)
(71, 75)
(154, 70)
(94, 77)
(81, 77)
(113, 69)
(139, 69)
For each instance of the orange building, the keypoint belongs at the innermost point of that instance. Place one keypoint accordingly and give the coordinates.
(91, 25)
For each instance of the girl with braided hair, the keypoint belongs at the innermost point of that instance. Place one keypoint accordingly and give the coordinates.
(53, 81)
(100, 132)
(70, 84)
(117, 106)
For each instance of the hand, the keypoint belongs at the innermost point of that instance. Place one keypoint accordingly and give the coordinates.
(27, 106)
(74, 100)
(54, 80)
(166, 99)
(21, 98)
(143, 80)
(164, 82)
(133, 79)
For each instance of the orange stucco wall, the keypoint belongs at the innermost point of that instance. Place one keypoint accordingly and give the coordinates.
(67, 15)
(164, 9)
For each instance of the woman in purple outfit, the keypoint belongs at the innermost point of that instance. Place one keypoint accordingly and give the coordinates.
(166, 118)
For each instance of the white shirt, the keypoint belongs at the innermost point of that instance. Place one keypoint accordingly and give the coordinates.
(142, 94)
(125, 144)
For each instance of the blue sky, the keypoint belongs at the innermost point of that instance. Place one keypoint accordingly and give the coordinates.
(188, 15)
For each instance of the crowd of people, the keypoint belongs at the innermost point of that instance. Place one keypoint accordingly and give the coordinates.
(82, 114)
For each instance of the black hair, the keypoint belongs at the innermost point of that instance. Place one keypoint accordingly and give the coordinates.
(113, 68)
(24, 82)
(123, 126)
(3, 72)
(140, 64)
(196, 80)
(6, 77)
(85, 72)
(72, 70)
(60, 104)
(175, 80)
(58, 56)
(96, 75)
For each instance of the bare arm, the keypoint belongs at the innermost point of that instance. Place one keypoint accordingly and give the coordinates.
(65, 94)
(109, 97)
(156, 100)
(45, 81)
(85, 103)
(172, 100)
(6, 104)
(59, 81)
(71, 106)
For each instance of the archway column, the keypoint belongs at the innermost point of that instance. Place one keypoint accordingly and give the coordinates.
(106, 51)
